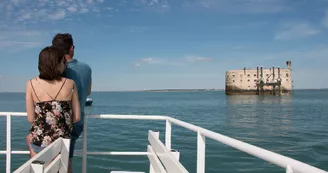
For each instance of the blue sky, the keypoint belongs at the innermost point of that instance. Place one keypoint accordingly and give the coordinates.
(154, 44)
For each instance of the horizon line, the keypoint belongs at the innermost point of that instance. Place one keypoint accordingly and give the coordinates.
(211, 89)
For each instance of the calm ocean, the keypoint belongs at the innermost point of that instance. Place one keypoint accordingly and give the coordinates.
(295, 126)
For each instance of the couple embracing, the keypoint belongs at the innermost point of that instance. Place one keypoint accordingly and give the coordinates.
(55, 99)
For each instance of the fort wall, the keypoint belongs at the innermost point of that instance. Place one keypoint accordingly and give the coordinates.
(259, 81)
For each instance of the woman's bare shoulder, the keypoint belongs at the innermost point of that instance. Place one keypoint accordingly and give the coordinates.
(70, 82)
(31, 82)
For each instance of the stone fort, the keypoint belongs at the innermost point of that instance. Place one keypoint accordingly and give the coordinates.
(260, 81)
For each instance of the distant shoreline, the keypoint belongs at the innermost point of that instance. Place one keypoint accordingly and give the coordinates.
(153, 90)
(166, 90)
(180, 90)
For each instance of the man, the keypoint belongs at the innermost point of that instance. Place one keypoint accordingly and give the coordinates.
(80, 73)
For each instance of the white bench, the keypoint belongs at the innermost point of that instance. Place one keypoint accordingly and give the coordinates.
(161, 159)
(57, 154)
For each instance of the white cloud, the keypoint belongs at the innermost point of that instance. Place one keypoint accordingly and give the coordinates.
(15, 40)
(325, 19)
(172, 62)
(62, 3)
(16, 12)
(144, 61)
(25, 16)
(57, 15)
(26, 44)
(203, 59)
(151, 60)
(72, 9)
(109, 8)
(84, 10)
(299, 30)
(154, 5)
(241, 6)
(16, 2)
(95, 9)
(245, 24)
(305, 56)
(193, 59)
(147, 59)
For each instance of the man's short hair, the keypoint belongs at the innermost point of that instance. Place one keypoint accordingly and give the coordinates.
(50, 59)
(63, 40)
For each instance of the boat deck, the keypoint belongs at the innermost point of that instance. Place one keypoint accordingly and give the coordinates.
(161, 156)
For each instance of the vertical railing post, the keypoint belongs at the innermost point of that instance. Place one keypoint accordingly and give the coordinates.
(8, 147)
(289, 169)
(37, 166)
(84, 145)
(200, 153)
(168, 134)
(176, 154)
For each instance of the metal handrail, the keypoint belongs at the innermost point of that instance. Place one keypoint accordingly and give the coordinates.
(291, 165)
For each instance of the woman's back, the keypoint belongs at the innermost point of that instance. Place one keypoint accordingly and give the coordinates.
(60, 90)
(52, 102)
(53, 110)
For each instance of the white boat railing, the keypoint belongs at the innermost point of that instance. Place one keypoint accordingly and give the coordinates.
(52, 159)
(289, 164)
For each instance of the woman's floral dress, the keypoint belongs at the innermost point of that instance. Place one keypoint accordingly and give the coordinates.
(53, 119)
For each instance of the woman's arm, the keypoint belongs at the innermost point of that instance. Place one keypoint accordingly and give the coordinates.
(29, 103)
(76, 105)
(89, 92)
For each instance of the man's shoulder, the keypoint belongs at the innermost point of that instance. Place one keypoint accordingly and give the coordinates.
(85, 66)
(82, 64)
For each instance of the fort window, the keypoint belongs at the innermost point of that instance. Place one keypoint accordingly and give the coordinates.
(254, 75)
(241, 80)
(233, 75)
(286, 79)
(233, 80)
(249, 86)
(287, 75)
(248, 75)
(255, 80)
(248, 80)
(267, 74)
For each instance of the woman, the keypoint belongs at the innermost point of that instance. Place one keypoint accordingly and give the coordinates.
(52, 103)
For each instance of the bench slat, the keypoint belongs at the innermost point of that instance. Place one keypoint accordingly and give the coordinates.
(154, 161)
(171, 164)
(53, 166)
(125, 172)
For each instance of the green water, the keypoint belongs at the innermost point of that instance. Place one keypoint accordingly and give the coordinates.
(295, 126)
